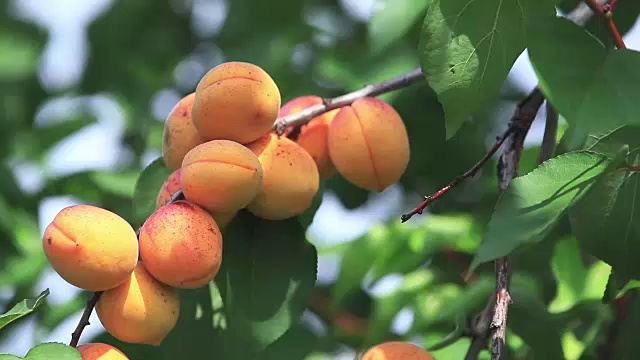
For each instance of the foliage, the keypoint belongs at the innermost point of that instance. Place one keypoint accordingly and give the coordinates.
(571, 225)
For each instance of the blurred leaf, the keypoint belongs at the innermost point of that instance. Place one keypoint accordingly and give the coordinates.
(42, 138)
(529, 318)
(626, 345)
(468, 47)
(53, 315)
(391, 20)
(374, 247)
(571, 272)
(350, 196)
(147, 188)
(48, 351)
(296, 343)
(18, 55)
(267, 275)
(592, 87)
(387, 306)
(533, 203)
(610, 142)
(23, 308)
(605, 221)
(306, 218)
(118, 183)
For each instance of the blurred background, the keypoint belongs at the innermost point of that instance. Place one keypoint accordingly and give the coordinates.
(86, 86)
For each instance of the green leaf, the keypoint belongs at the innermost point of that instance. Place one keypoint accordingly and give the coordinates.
(387, 306)
(306, 218)
(626, 344)
(48, 351)
(391, 20)
(468, 47)
(533, 203)
(147, 188)
(606, 221)
(529, 319)
(267, 275)
(592, 87)
(23, 308)
(610, 142)
(18, 56)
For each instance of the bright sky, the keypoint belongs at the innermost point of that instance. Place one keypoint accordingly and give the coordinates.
(97, 147)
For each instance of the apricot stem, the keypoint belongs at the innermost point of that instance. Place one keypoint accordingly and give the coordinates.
(395, 83)
(84, 319)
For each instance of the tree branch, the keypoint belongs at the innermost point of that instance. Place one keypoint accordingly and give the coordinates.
(431, 198)
(304, 116)
(607, 11)
(84, 319)
(550, 130)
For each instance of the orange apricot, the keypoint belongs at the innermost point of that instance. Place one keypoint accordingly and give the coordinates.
(314, 135)
(100, 351)
(179, 134)
(181, 245)
(221, 175)
(369, 145)
(90, 247)
(141, 310)
(170, 186)
(236, 101)
(290, 178)
(397, 350)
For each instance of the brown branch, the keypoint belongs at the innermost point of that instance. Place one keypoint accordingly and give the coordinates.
(84, 319)
(550, 131)
(607, 11)
(431, 198)
(304, 116)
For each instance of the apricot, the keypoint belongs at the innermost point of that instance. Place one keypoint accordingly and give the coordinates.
(100, 351)
(179, 134)
(314, 135)
(170, 186)
(141, 310)
(368, 144)
(221, 176)
(90, 247)
(236, 101)
(290, 178)
(397, 350)
(181, 245)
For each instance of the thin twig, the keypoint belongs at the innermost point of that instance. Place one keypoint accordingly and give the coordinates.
(177, 196)
(304, 116)
(84, 319)
(431, 198)
(549, 138)
(606, 10)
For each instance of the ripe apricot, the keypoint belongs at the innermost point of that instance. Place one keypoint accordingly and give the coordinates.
(90, 247)
(314, 135)
(181, 245)
(170, 186)
(221, 176)
(397, 350)
(141, 310)
(179, 134)
(100, 351)
(290, 178)
(368, 144)
(236, 101)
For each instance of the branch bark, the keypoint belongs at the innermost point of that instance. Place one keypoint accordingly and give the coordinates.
(304, 116)
(84, 319)
(549, 138)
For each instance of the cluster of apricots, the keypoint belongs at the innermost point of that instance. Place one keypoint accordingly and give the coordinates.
(219, 144)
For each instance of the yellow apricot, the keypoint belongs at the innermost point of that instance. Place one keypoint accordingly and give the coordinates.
(100, 351)
(141, 310)
(397, 350)
(90, 247)
(236, 101)
(368, 144)
(181, 245)
(314, 135)
(221, 175)
(179, 134)
(170, 186)
(290, 178)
